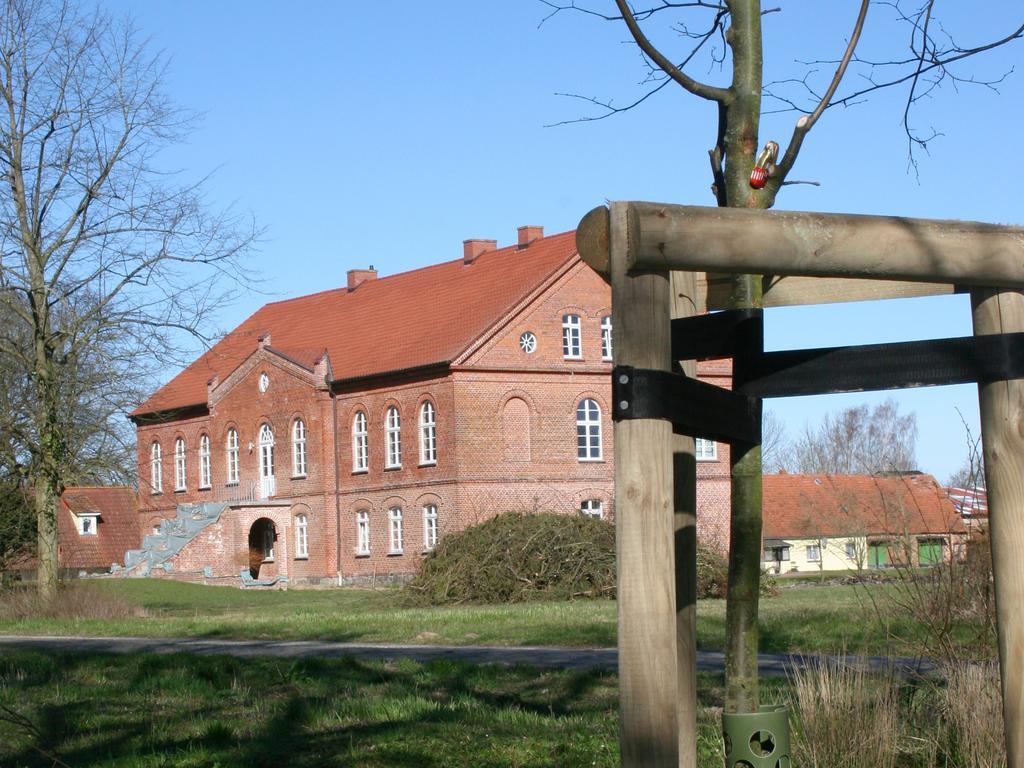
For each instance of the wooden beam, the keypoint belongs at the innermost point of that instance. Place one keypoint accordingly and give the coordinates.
(686, 303)
(644, 523)
(734, 240)
(1002, 413)
(797, 290)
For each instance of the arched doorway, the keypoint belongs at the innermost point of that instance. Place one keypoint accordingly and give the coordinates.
(262, 536)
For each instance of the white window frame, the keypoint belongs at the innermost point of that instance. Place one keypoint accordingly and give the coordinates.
(301, 537)
(268, 483)
(572, 347)
(363, 532)
(850, 550)
(156, 469)
(588, 427)
(428, 434)
(812, 553)
(298, 448)
(704, 449)
(360, 440)
(430, 527)
(592, 508)
(606, 337)
(205, 473)
(232, 455)
(393, 438)
(395, 533)
(180, 465)
(87, 523)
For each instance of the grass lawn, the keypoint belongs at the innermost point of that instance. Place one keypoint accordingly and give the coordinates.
(805, 619)
(186, 711)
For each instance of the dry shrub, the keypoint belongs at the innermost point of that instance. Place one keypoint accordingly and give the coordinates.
(953, 602)
(845, 717)
(517, 557)
(973, 709)
(73, 601)
(713, 575)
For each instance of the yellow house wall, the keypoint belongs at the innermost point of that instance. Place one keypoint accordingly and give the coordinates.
(833, 555)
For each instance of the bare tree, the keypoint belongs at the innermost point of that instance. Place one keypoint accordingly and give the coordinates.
(729, 31)
(775, 445)
(858, 441)
(108, 265)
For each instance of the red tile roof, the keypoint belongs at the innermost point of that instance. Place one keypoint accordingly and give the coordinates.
(117, 531)
(413, 319)
(808, 506)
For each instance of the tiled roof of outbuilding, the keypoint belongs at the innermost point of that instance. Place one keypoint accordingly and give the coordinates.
(117, 532)
(808, 506)
(409, 320)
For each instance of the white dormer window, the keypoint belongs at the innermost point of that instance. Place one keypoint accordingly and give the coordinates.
(571, 348)
(87, 522)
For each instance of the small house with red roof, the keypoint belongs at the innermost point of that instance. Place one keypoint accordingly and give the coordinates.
(95, 527)
(818, 523)
(340, 435)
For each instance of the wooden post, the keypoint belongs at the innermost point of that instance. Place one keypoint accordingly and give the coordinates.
(644, 522)
(686, 302)
(1002, 432)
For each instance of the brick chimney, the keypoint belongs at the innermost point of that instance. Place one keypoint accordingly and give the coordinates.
(357, 277)
(529, 233)
(472, 249)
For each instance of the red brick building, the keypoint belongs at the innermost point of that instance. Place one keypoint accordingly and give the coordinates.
(340, 435)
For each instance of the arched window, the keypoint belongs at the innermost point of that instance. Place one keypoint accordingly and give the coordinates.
(430, 526)
(393, 434)
(516, 429)
(156, 469)
(301, 536)
(593, 508)
(204, 462)
(268, 485)
(299, 448)
(362, 532)
(395, 531)
(360, 455)
(428, 433)
(571, 337)
(588, 430)
(179, 464)
(232, 456)
(606, 337)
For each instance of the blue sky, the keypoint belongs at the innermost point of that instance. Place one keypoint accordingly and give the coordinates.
(386, 134)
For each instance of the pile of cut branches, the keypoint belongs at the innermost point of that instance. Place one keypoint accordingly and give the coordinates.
(517, 557)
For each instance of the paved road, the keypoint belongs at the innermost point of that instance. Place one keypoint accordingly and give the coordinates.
(769, 664)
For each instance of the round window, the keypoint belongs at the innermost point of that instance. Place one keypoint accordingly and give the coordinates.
(528, 342)
(264, 382)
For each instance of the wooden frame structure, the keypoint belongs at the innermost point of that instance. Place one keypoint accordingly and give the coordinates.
(654, 256)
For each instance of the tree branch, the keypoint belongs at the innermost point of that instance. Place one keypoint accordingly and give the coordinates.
(805, 123)
(695, 87)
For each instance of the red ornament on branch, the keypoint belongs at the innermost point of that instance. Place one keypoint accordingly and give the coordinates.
(764, 166)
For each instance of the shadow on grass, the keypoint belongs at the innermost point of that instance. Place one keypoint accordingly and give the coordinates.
(181, 710)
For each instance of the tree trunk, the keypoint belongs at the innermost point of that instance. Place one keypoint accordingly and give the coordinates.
(741, 143)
